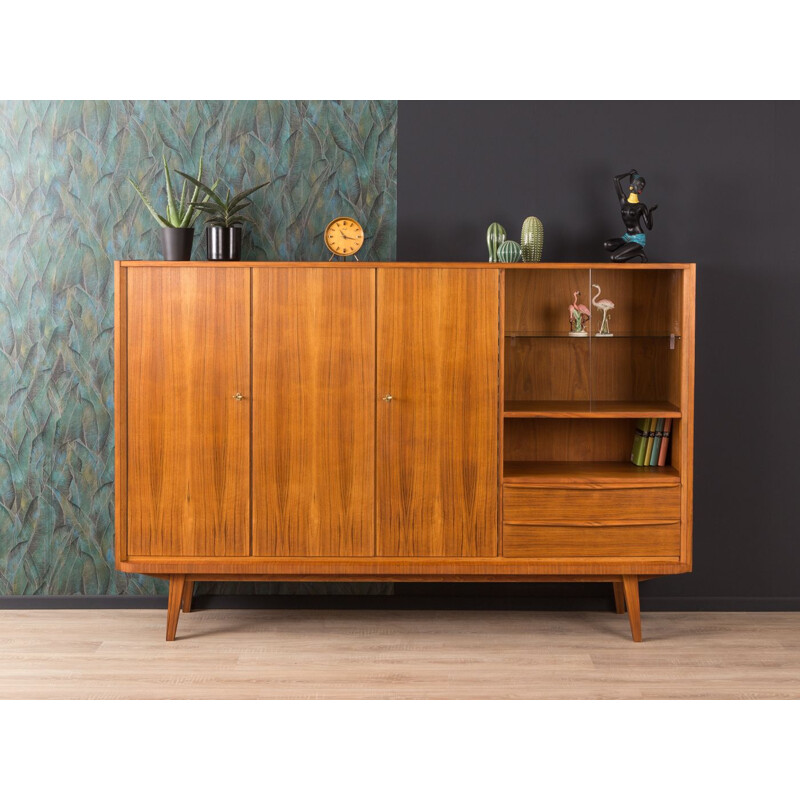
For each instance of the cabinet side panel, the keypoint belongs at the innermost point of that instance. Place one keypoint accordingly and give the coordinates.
(438, 357)
(120, 414)
(188, 437)
(687, 407)
(313, 412)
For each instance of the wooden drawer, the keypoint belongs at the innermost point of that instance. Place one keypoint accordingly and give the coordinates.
(524, 504)
(606, 541)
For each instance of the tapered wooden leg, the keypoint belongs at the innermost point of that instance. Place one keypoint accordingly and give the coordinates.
(619, 597)
(176, 584)
(186, 602)
(630, 587)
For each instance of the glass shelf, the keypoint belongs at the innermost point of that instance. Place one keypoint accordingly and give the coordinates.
(561, 335)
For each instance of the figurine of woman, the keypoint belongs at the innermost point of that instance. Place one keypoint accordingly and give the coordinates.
(579, 315)
(631, 244)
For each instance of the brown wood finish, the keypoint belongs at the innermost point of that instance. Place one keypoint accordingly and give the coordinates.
(604, 409)
(186, 600)
(685, 433)
(188, 337)
(630, 587)
(545, 371)
(538, 299)
(174, 600)
(646, 301)
(521, 265)
(633, 370)
(407, 569)
(572, 440)
(437, 447)
(590, 506)
(629, 540)
(120, 413)
(465, 397)
(587, 475)
(313, 412)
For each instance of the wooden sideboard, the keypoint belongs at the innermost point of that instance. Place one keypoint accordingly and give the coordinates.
(399, 422)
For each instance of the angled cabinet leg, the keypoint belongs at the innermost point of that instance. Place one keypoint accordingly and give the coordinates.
(186, 601)
(176, 586)
(630, 587)
(619, 597)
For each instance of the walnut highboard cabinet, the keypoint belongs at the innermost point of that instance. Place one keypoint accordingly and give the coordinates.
(400, 422)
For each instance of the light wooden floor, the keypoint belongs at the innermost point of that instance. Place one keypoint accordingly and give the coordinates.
(397, 654)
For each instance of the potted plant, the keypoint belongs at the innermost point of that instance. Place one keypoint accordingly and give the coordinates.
(177, 224)
(224, 223)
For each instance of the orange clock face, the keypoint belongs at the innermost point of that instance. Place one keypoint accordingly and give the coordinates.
(344, 236)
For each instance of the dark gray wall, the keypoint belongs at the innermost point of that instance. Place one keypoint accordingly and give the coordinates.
(725, 176)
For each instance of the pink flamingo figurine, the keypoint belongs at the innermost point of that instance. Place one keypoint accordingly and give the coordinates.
(605, 306)
(577, 313)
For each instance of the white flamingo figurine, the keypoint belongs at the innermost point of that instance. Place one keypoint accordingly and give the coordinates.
(577, 311)
(605, 306)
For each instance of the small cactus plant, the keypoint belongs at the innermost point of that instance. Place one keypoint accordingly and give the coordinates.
(532, 239)
(495, 236)
(508, 252)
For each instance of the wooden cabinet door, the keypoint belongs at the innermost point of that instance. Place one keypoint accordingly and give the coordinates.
(438, 359)
(188, 438)
(313, 411)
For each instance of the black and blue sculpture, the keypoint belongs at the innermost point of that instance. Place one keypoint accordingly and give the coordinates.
(635, 214)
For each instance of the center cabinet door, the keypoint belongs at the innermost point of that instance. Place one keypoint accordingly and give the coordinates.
(437, 453)
(313, 411)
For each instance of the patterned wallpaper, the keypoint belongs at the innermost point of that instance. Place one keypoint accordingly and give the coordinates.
(66, 212)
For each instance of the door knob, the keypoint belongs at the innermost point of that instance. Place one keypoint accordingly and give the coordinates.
(238, 396)
(388, 398)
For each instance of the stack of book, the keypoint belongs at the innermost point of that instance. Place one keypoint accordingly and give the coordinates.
(651, 442)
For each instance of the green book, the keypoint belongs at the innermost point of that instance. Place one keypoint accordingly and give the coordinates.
(659, 433)
(640, 441)
(651, 435)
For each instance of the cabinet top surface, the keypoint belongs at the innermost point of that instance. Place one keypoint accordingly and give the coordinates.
(412, 264)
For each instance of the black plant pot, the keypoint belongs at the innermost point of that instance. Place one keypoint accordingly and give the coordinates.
(224, 244)
(176, 243)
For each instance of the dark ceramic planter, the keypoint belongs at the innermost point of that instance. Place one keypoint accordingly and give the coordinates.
(224, 244)
(176, 243)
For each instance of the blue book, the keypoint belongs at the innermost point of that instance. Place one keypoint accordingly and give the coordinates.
(659, 433)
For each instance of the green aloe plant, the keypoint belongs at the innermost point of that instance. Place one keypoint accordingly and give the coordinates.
(180, 214)
(227, 212)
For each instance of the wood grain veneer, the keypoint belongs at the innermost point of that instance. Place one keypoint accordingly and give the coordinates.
(587, 475)
(487, 432)
(549, 265)
(313, 412)
(404, 569)
(590, 506)
(188, 353)
(608, 541)
(436, 440)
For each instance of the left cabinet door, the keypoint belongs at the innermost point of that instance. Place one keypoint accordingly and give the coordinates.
(188, 356)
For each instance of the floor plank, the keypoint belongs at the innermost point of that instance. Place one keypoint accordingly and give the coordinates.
(106, 654)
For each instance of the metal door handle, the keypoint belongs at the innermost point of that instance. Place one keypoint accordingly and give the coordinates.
(388, 398)
(238, 396)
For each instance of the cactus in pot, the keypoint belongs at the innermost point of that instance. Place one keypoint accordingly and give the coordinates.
(495, 236)
(508, 252)
(532, 239)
